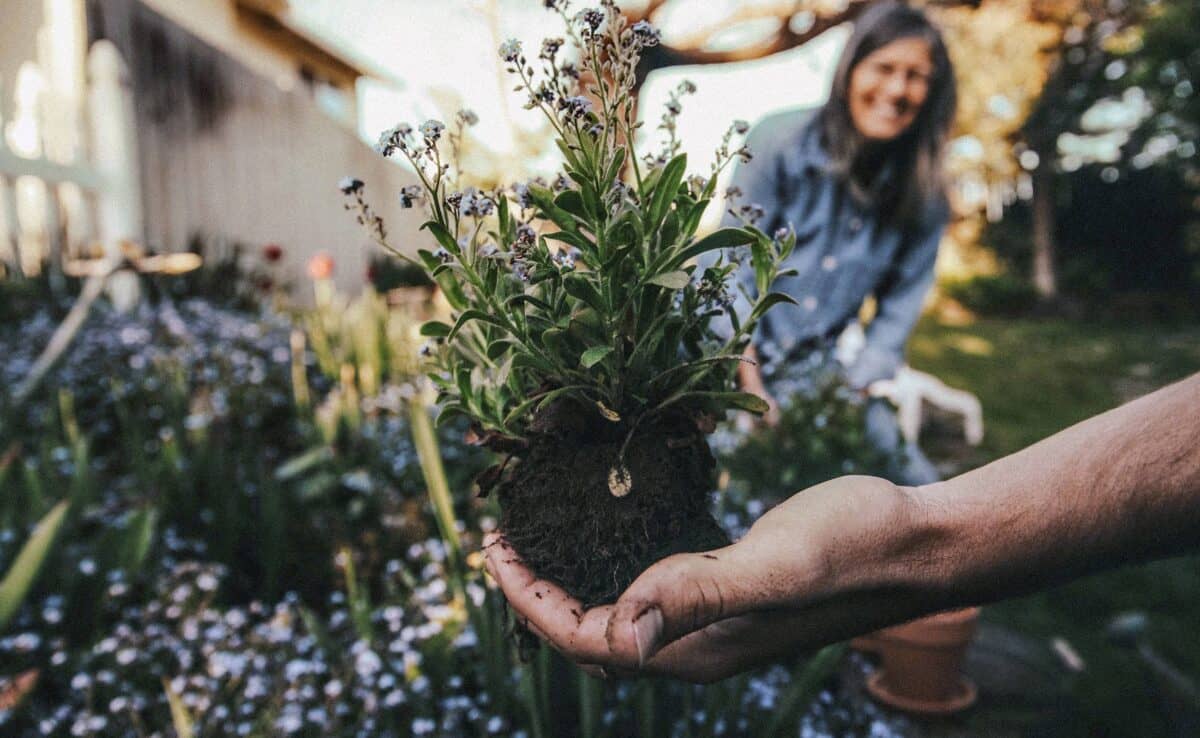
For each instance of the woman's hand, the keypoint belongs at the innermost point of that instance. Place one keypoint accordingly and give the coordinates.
(750, 380)
(705, 616)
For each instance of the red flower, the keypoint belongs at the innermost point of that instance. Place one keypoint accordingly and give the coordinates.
(320, 266)
(272, 252)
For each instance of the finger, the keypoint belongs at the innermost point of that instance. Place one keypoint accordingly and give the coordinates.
(678, 595)
(550, 612)
(727, 647)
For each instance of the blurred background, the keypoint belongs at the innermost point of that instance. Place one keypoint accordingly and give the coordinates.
(223, 507)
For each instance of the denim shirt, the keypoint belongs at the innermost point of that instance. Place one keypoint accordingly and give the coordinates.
(844, 252)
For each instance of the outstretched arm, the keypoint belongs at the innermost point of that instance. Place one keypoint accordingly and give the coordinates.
(858, 553)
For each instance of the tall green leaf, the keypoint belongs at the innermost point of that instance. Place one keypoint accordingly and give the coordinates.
(180, 718)
(665, 190)
(24, 570)
(722, 239)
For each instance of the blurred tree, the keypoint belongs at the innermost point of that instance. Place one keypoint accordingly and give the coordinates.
(1089, 35)
(1163, 64)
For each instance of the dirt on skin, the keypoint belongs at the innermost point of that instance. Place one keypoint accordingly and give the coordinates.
(559, 514)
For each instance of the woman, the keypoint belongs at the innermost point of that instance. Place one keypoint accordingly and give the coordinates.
(859, 180)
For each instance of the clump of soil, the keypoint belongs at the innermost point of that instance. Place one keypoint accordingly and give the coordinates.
(560, 515)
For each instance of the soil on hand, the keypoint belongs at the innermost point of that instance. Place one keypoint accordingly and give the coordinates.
(558, 511)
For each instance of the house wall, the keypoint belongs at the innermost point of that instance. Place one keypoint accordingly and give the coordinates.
(224, 152)
(215, 22)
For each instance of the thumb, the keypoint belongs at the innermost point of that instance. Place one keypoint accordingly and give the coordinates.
(676, 596)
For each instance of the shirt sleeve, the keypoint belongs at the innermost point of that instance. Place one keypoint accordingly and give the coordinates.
(899, 299)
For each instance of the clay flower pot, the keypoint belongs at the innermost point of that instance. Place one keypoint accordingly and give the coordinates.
(921, 663)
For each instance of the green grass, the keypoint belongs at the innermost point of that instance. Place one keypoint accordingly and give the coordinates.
(1034, 378)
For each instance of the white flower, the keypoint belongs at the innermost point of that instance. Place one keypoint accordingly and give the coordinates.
(432, 129)
(510, 50)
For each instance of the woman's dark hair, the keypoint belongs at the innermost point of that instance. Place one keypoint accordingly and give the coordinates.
(915, 157)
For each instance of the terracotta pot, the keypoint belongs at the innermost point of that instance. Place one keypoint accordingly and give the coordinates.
(921, 663)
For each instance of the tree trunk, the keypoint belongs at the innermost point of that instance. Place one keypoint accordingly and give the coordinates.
(1045, 278)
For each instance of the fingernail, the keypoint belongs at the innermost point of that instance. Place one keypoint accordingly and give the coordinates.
(647, 631)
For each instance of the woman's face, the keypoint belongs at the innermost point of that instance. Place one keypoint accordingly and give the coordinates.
(888, 88)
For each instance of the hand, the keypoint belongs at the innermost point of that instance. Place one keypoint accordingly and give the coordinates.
(705, 616)
(750, 380)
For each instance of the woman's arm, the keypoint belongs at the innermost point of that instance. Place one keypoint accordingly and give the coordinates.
(899, 300)
(859, 553)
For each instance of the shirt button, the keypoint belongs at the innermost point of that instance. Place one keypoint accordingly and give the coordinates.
(809, 303)
(829, 263)
(856, 224)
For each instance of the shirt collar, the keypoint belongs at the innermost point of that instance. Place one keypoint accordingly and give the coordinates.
(808, 156)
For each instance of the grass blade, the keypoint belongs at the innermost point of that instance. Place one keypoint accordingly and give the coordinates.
(24, 571)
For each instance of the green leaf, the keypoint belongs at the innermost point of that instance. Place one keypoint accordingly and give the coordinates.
(723, 239)
(443, 236)
(572, 202)
(676, 280)
(544, 199)
(742, 400)
(435, 328)
(578, 240)
(502, 213)
(568, 155)
(553, 338)
(698, 364)
(137, 539)
(469, 315)
(452, 290)
(496, 348)
(25, 567)
(594, 355)
(542, 399)
(692, 216)
(760, 257)
(614, 169)
(449, 410)
(770, 300)
(581, 288)
(586, 317)
(665, 190)
(537, 302)
(533, 361)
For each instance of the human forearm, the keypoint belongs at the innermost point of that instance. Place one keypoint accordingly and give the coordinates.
(1121, 487)
(857, 553)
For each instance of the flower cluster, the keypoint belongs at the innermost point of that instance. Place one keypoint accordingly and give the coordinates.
(278, 667)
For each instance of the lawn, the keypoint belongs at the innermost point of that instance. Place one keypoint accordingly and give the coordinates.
(1033, 378)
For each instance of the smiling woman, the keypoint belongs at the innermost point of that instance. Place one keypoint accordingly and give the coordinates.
(859, 182)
